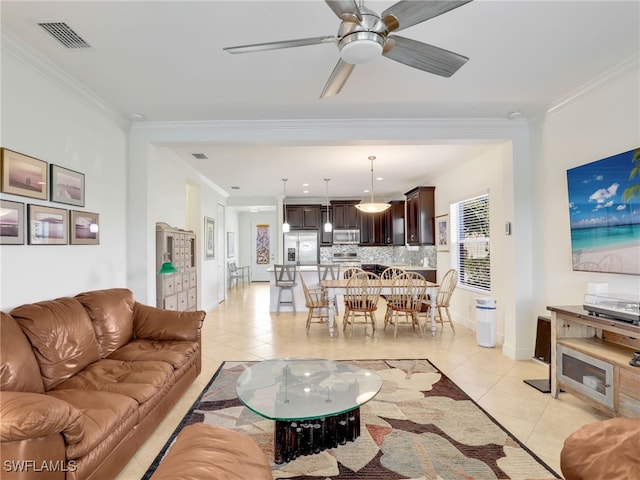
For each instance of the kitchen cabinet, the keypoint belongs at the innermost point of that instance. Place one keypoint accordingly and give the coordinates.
(429, 275)
(394, 224)
(303, 217)
(420, 216)
(345, 214)
(386, 228)
(372, 231)
(326, 238)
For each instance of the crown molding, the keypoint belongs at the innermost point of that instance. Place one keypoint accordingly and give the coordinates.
(595, 85)
(15, 47)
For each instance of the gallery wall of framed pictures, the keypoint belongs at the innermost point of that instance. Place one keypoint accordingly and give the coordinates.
(29, 177)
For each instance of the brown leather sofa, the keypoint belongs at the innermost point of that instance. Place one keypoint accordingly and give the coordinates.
(207, 452)
(85, 380)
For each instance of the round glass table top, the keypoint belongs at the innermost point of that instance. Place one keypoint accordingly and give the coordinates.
(305, 388)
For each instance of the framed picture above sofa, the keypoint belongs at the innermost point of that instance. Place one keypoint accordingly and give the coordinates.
(48, 225)
(11, 223)
(23, 175)
(67, 186)
(84, 228)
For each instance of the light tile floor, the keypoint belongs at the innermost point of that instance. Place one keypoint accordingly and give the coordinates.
(242, 328)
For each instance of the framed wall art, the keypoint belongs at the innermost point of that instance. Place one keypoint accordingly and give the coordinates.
(442, 233)
(604, 209)
(209, 238)
(84, 228)
(11, 223)
(48, 225)
(67, 186)
(23, 175)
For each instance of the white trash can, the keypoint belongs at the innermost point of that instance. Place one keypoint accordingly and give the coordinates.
(486, 322)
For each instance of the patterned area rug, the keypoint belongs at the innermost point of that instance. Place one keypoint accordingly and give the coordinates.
(420, 426)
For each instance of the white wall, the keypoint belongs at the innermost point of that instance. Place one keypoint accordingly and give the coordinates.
(162, 188)
(601, 124)
(43, 119)
(480, 175)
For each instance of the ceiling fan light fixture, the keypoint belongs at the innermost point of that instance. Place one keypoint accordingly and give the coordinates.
(361, 47)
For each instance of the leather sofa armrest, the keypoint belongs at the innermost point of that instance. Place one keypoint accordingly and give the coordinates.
(153, 323)
(33, 415)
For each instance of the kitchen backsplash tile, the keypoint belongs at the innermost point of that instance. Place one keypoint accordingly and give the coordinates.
(384, 255)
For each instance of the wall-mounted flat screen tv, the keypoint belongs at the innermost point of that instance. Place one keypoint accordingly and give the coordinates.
(604, 209)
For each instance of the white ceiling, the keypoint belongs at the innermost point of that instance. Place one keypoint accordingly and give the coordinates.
(164, 60)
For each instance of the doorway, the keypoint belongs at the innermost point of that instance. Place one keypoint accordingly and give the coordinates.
(264, 244)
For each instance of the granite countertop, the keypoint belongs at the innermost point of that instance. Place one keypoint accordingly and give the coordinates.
(300, 268)
(402, 265)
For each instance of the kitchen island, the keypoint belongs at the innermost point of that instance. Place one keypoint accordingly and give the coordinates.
(310, 273)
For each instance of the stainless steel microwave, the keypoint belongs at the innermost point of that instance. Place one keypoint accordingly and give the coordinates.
(346, 237)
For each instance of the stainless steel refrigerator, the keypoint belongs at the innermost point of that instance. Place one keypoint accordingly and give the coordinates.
(301, 248)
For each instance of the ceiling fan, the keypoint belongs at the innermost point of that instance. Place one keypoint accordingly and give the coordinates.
(364, 35)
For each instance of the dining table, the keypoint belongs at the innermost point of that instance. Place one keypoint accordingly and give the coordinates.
(339, 287)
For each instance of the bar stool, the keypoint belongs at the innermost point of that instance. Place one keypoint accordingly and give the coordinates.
(285, 280)
(329, 271)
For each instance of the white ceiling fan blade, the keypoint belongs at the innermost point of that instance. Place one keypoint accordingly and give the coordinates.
(301, 42)
(338, 78)
(423, 56)
(346, 10)
(406, 13)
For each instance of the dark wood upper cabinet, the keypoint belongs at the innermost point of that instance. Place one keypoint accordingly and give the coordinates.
(303, 217)
(345, 214)
(420, 216)
(326, 238)
(385, 228)
(394, 224)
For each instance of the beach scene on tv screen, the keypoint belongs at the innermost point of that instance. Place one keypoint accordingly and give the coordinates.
(604, 208)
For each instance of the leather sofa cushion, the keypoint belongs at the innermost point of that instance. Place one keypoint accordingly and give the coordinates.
(154, 323)
(19, 370)
(27, 415)
(103, 414)
(139, 380)
(177, 353)
(61, 335)
(603, 451)
(111, 312)
(203, 451)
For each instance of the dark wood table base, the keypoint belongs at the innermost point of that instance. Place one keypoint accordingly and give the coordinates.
(294, 438)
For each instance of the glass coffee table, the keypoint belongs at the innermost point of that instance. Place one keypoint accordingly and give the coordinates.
(315, 403)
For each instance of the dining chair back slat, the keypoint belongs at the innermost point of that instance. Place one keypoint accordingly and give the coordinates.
(443, 299)
(408, 292)
(361, 300)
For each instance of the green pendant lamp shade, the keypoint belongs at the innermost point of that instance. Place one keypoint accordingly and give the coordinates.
(167, 267)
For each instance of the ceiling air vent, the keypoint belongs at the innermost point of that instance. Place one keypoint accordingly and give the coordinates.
(200, 156)
(65, 35)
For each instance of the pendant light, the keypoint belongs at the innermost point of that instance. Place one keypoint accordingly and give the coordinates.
(167, 267)
(327, 226)
(285, 225)
(372, 207)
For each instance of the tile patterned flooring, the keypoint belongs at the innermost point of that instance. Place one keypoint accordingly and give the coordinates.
(242, 328)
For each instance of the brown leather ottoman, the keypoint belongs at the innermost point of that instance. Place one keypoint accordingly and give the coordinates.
(604, 450)
(206, 452)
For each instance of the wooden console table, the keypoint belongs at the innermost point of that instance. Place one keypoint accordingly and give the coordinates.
(590, 359)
